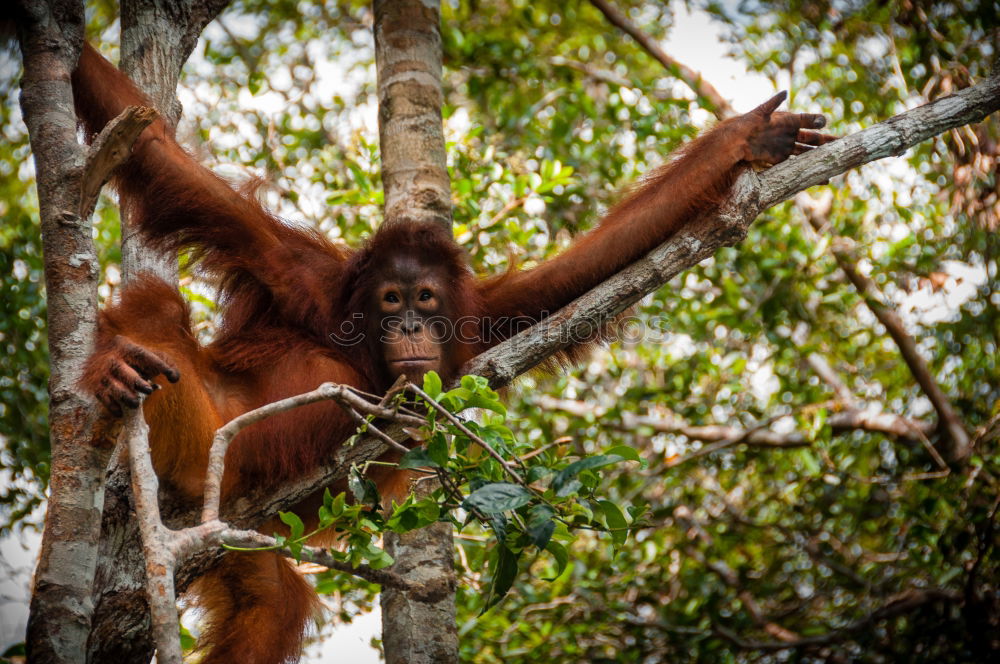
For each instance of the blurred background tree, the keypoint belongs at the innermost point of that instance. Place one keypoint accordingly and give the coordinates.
(796, 507)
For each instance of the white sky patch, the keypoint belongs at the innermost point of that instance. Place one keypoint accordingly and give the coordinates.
(696, 41)
(763, 383)
(927, 306)
(18, 555)
(350, 643)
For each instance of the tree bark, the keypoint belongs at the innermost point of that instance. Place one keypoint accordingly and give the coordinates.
(415, 180)
(421, 631)
(51, 35)
(157, 39)
(414, 162)
(728, 225)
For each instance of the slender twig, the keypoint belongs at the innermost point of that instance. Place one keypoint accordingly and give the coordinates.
(465, 430)
(690, 77)
(840, 421)
(251, 540)
(158, 552)
(509, 207)
(364, 426)
(607, 76)
(826, 373)
(545, 448)
(342, 394)
(745, 436)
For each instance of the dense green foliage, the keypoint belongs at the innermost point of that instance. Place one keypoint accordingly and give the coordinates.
(550, 110)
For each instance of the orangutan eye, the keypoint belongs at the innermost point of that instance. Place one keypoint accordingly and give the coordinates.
(425, 295)
(391, 298)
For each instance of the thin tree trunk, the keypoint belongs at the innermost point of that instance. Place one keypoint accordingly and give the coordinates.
(157, 39)
(414, 162)
(51, 35)
(415, 180)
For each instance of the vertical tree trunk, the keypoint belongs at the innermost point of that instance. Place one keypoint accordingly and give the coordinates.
(157, 39)
(51, 35)
(414, 163)
(415, 180)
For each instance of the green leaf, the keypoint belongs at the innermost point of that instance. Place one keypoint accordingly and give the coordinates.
(432, 384)
(293, 521)
(558, 552)
(379, 559)
(364, 489)
(19, 649)
(187, 641)
(617, 524)
(562, 483)
(809, 461)
(470, 383)
(625, 452)
(326, 519)
(338, 504)
(504, 573)
(498, 497)
(540, 525)
(417, 458)
(413, 514)
(437, 449)
(482, 401)
(255, 81)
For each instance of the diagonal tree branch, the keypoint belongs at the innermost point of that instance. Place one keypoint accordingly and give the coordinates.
(958, 439)
(889, 138)
(974, 106)
(751, 195)
(840, 421)
(109, 151)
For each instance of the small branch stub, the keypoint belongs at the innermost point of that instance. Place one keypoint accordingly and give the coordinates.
(110, 150)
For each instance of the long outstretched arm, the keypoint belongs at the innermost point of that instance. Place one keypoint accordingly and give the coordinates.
(696, 179)
(178, 204)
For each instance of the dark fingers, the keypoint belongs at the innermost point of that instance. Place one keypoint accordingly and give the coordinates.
(114, 394)
(811, 137)
(128, 377)
(148, 363)
(811, 120)
(167, 369)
